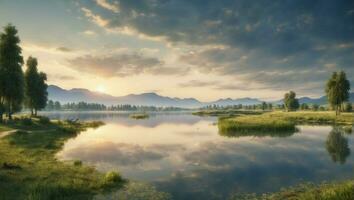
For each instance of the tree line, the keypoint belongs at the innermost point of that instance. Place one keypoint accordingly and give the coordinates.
(84, 106)
(18, 89)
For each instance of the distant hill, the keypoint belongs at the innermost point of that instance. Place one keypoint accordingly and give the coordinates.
(229, 101)
(152, 99)
(146, 99)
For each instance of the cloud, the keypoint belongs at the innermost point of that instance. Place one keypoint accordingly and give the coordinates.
(61, 77)
(97, 19)
(197, 83)
(121, 65)
(89, 33)
(110, 6)
(249, 39)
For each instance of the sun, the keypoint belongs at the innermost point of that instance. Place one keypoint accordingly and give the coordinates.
(101, 89)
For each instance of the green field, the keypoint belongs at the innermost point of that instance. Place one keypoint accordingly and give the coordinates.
(29, 169)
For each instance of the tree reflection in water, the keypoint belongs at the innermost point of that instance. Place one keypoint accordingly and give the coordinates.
(337, 145)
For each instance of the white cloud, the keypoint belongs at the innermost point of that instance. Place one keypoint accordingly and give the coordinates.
(109, 6)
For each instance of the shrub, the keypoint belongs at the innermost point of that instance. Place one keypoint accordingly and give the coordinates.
(26, 121)
(44, 120)
(77, 163)
(111, 178)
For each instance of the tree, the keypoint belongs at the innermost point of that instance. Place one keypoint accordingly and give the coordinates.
(50, 105)
(57, 105)
(337, 90)
(11, 74)
(348, 107)
(35, 87)
(264, 105)
(304, 106)
(315, 107)
(290, 101)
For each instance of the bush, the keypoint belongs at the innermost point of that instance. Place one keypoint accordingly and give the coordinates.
(111, 178)
(77, 163)
(26, 121)
(44, 120)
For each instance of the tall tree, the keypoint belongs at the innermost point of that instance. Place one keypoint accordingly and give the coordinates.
(290, 101)
(11, 74)
(337, 90)
(35, 87)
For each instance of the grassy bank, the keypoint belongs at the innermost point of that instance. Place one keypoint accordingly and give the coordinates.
(326, 191)
(259, 125)
(139, 116)
(226, 113)
(29, 169)
(279, 123)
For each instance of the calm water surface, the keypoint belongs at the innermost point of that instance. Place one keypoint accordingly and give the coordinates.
(185, 156)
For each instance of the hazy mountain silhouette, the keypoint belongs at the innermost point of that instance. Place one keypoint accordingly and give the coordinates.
(152, 99)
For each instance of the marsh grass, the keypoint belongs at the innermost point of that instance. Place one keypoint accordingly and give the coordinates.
(280, 123)
(39, 174)
(139, 116)
(325, 191)
(255, 126)
(226, 113)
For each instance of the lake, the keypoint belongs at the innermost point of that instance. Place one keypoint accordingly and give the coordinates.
(184, 155)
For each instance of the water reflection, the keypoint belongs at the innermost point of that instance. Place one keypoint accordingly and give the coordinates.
(192, 161)
(257, 134)
(337, 146)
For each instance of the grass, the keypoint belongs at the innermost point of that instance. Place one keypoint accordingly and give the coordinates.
(29, 169)
(255, 125)
(279, 123)
(139, 116)
(226, 113)
(308, 117)
(326, 191)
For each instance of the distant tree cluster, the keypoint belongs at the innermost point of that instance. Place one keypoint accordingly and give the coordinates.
(128, 107)
(84, 106)
(53, 105)
(313, 107)
(263, 106)
(56, 106)
(16, 88)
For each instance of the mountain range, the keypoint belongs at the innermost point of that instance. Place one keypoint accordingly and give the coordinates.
(56, 93)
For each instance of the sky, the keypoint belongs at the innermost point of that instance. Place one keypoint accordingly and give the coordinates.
(206, 49)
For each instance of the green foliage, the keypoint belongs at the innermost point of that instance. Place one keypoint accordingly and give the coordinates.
(77, 163)
(337, 90)
(44, 120)
(112, 177)
(35, 87)
(315, 107)
(304, 106)
(136, 191)
(324, 191)
(348, 107)
(290, 101)
(11, 74)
